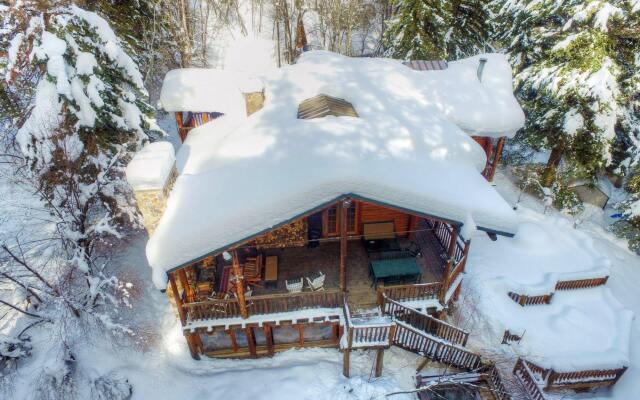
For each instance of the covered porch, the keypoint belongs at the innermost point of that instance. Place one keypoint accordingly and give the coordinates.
(360, 251)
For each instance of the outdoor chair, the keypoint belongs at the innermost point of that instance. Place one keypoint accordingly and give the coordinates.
(316, 283)
(294, 285)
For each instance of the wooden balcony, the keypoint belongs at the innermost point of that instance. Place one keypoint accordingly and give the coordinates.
(262, 305)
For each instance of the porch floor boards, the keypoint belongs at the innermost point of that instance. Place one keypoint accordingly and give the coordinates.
(297, 262)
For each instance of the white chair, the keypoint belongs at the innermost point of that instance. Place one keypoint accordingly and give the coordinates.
(316, 283)
(294, 285)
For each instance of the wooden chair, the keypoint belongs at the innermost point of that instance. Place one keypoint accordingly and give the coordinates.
(294, 285)
(253, 271)
(316, 283)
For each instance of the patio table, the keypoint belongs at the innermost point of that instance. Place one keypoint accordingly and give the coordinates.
(394, 269)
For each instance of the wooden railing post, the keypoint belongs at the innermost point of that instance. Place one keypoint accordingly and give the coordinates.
(380, 296)
(450, 263)
(343, 244)
(239, 285)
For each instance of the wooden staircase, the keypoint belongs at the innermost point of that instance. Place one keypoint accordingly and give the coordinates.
(430, 337)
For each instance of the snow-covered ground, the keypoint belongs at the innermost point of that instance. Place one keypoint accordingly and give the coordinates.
(158, 365)
(622, 283)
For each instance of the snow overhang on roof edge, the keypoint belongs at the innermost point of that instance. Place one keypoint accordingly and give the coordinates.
(321, 207)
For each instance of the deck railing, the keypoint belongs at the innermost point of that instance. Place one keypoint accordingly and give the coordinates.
(526, 379)
(576, 379)
(266, 304)
(413, 339)
(425, 322)
(525, 300)
(212, 309)
(443, 233)
(377, 334)
(581, 283)
(410, 292)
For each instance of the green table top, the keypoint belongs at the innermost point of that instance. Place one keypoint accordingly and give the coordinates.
(394, 267)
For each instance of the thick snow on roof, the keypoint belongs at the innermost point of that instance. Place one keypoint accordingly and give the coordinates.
(240, 176)
(580, 329)
(151, 166)
(207, 90)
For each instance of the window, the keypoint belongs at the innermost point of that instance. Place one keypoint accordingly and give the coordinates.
(332, 221)
(351, 218)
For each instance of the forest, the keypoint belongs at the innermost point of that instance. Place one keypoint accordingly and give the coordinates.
(78, 98)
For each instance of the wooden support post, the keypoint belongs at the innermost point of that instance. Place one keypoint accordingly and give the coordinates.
(379, 362)
(184, 282)
(496, 159)
(251, 342)
(450, 262)
(234, 340)
(301, 335)
(346, 353)
(422, 365)
(343, 245)
(239, 285)
(345, 362)
(176, 297)
(380, 296)
(268, 334)
(193, 347)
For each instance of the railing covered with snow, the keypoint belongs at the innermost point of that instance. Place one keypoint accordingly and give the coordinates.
(526, 379)
(376, 333)
(584, 379)
(260, 305)
(525, 300)
(443, 232)
(434, 348)
(581, 283)
(425, 322)
(531, 300)
(410, 292)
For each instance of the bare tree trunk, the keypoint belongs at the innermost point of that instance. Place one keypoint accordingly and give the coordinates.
(549, 174)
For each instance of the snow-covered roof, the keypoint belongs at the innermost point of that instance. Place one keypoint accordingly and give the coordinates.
(151, 166)
(207, 90)
(240, 176)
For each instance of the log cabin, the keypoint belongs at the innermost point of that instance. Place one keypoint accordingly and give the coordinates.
(333, 212)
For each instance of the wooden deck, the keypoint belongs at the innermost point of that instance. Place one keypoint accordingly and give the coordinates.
(303, 262)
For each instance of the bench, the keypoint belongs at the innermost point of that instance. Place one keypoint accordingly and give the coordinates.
(380, 237)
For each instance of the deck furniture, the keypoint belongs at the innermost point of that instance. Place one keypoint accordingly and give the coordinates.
(253, 270)
(294, 285)
(395, 268)
(316, 283)
(271, 271)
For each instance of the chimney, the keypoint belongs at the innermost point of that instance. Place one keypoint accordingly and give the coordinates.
(481, 64)
(151, 174)
(252, 90)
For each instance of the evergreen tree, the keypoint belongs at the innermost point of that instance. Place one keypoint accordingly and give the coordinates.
(469, 32)
(418, 30)
(436, 29)
(568, 72)
(80, 110)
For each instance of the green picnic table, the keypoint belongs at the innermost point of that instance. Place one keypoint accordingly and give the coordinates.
(395, 269)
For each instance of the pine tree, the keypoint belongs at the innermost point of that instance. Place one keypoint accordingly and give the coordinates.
(418, 29)
(436, 29)
(568, 74)
(469, 32)
(80, 108)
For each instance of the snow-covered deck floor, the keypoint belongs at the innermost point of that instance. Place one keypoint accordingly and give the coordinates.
(583, 329)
